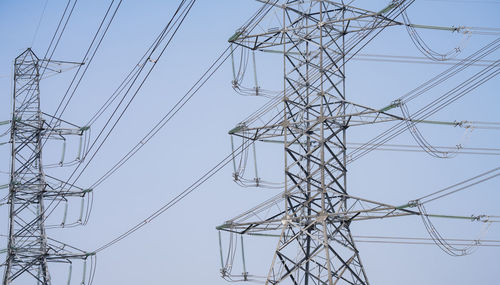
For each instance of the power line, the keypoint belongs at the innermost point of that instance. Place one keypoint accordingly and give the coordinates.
(453, 188)
(454, 94)
(54, 43)
(173, 20)
(87, 58)
(430, 242)
(465, 1)
(416, 148)
(415, 240)
(226, 160)
(39, 22)
(59, 32)
(167, 117)
(415, 59)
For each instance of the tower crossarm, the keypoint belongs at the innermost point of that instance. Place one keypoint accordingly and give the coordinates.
(59, 127)
(355, 115)
(357, 21)
(269, 217)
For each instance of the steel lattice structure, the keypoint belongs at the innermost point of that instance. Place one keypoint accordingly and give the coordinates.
(31, 191)
(312, 216)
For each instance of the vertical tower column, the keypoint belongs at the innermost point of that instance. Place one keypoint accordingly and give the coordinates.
(31, 191)
(312, 217)
(315, 152)
(27, 248)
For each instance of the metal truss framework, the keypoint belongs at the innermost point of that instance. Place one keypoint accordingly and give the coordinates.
(312, 216)
(31, 191)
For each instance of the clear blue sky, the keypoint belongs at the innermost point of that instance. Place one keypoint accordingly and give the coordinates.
(181, 247)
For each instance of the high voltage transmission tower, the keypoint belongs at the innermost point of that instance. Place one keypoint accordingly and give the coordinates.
(33, 194)
(313, 215)
(310, 117)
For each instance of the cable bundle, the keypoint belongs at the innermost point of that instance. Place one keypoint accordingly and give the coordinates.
(440, 241)
(240, 163)
(239, 75)
(424, 48)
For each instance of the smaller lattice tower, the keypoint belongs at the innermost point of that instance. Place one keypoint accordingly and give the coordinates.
(33, 194)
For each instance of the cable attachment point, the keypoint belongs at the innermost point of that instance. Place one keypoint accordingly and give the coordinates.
(235, 84)
(223, 272)
(396, 103)
(463, 124)
(257, 181)
(413, 203)
(480, 218)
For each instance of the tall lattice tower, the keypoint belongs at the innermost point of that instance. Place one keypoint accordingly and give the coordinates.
(32, 194)
(312, 216)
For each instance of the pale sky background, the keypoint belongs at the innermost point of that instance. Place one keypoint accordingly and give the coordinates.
(181, 247)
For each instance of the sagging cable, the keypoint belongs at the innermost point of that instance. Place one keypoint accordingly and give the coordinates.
(442, 243)
(425, 49)
(239, 71)
(424, 144)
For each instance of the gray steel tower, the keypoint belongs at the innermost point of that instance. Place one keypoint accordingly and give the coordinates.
(31, 191)
(312, 216)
